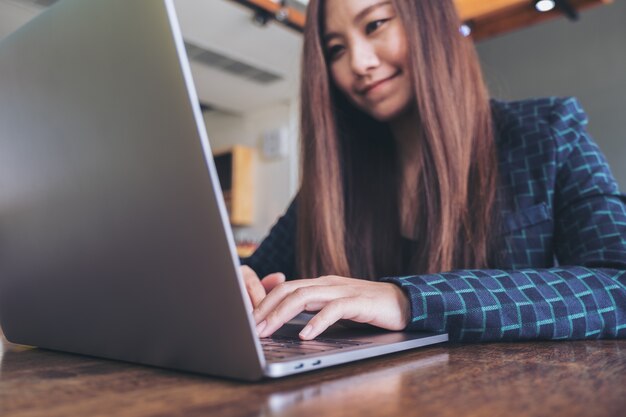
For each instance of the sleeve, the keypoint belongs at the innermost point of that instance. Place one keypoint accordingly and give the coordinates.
(276, 253)
(583, 298)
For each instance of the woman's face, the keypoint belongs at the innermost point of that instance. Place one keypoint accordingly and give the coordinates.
(366, 49)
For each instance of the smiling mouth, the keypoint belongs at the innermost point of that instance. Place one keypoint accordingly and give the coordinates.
(376, 84)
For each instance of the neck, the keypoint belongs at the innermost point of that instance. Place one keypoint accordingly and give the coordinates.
(405, 131)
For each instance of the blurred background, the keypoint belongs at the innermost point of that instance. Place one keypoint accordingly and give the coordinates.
(245, 57)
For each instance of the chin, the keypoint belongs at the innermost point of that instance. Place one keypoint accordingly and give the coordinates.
(389, 109)
(386, 115)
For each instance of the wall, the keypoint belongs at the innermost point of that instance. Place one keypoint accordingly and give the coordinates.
(13, 15)
(276, 179)
(586, 59)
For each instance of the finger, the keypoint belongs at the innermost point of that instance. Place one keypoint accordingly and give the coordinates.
(255, 289)
(272, 280)
(343, 308)
(301, 299)
(275, 297)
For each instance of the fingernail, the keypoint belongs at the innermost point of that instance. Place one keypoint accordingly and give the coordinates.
(260, 327)
(306, 331)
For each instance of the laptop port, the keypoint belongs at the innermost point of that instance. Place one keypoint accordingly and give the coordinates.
(299, 366)
(317, 362)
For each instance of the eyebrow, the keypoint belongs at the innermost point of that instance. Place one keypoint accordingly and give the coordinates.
(357, 18)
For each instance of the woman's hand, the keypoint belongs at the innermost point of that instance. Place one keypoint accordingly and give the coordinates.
(259, 288)
(380, 304)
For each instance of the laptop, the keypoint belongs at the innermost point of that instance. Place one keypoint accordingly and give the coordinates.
(114, 236)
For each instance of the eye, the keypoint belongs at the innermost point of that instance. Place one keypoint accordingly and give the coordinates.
(333, 52)
(374, 25)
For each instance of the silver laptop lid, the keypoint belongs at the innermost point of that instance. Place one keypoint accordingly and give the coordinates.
(114, 237)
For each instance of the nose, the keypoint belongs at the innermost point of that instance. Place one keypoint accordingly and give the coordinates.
(363, 58)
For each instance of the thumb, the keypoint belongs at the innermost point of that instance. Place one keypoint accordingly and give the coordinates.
(272, 280)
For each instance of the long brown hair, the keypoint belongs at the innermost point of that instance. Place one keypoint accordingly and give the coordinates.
(348, 213)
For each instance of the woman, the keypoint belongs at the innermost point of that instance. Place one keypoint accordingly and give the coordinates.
(409, 171)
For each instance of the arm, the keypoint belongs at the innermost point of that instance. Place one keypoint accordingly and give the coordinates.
(488, 305)
(273, 260)
(277, 251)
(584, 298)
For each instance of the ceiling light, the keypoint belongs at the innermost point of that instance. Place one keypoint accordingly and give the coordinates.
(545, 5)
(465, 29)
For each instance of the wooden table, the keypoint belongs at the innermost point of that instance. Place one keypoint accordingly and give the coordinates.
(506, 379)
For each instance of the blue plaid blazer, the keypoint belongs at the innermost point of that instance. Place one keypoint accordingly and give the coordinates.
(564, 224)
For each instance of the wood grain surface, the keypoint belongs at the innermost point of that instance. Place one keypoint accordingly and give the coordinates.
(505, 379)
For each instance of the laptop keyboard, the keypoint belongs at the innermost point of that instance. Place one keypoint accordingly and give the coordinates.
(281, 347)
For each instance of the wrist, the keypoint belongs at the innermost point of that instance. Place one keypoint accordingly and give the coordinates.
(404, 306)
